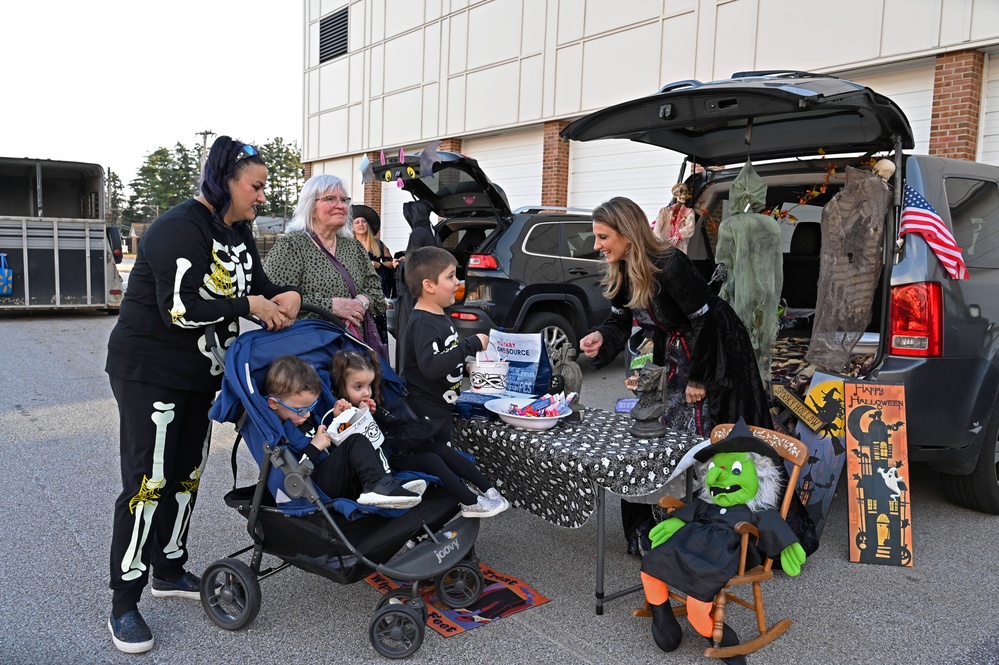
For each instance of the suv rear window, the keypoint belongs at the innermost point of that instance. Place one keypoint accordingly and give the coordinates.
(563, 239)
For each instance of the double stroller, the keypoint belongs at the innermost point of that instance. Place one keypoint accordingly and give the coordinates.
(289, 518)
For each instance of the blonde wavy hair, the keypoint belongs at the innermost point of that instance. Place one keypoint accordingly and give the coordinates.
(625, 217)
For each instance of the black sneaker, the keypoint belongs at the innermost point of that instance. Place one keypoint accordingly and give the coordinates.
(130, 633)
(388, 493)
(186, 586)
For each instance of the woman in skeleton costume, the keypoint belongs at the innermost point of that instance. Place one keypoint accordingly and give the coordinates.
(197, 265)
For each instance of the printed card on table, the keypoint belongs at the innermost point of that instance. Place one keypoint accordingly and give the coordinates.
(878, 474)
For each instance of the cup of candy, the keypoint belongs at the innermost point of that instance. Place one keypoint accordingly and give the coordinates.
(353, 421)
(532, 413)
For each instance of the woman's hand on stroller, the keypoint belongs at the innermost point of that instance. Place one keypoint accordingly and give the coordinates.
(321, 440)
(269, 313)
(289, 302)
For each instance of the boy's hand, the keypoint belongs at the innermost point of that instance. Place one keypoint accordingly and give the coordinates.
(483, 340)
(321, 440)
(340, 406)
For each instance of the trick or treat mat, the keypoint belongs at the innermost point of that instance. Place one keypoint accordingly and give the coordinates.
(502, 596)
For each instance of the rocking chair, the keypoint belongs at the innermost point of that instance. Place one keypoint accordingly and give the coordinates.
(795, 452)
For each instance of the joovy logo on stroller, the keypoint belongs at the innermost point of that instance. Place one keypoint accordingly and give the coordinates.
(447, 549)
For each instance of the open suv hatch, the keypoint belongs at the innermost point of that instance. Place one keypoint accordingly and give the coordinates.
(933, 334)
(529, 270)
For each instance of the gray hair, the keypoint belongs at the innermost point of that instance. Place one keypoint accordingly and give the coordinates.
(315, 187)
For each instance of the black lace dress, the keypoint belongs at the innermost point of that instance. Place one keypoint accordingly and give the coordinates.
(699, 338)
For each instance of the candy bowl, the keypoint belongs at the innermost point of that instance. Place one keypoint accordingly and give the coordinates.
(501, 407)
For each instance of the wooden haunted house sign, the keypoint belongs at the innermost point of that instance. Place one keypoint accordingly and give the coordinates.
(878, 474)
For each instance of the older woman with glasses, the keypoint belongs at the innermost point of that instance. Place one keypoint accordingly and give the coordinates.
(197, 266)
(321, 257)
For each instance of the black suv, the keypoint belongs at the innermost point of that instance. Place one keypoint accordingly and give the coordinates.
(933, 334)
(529, 270)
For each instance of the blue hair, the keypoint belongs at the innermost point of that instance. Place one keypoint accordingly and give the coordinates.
(221, 167)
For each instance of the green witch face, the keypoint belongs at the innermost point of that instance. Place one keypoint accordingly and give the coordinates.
(732, 479)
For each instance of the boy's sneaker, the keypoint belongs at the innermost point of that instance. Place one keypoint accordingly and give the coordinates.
(388, 493)
(415, 486)
(187, 585)
(493, 494)
(484, 507)
(130, 633)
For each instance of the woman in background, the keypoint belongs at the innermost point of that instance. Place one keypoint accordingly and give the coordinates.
(367, 224)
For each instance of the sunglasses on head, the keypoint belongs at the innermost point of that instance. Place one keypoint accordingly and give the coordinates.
(299, 412)
(247, 151)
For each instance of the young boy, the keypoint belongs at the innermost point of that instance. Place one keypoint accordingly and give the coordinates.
(352, 469)
(432, 362)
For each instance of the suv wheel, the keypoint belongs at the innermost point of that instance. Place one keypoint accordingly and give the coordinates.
(556, 332)
(979, 490)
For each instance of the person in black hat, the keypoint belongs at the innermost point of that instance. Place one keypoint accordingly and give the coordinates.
(696, 549)
(367, 224)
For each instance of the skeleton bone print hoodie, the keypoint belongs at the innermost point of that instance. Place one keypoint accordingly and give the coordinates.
(191, 270)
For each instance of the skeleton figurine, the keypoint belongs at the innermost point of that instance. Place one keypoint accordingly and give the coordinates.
(647, 413)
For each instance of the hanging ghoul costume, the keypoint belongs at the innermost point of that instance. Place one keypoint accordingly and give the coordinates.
(696, 549)
(191, 271)
(749, 244)
(853, 224)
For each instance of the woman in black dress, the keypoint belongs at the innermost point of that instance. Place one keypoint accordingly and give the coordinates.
(697, 336)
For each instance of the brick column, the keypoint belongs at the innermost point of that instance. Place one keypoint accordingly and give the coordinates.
(373, 188)
(555, 166)
(957, 103)
(307, 169)
(450, 145)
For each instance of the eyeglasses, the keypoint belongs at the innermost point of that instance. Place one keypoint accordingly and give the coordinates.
(345, 200)
(299, 412)
(247, 151)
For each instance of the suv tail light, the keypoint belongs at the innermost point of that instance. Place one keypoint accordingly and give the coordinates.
(916, 320)
(483, 262)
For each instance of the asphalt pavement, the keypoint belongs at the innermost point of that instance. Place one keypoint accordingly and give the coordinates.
(60, 476)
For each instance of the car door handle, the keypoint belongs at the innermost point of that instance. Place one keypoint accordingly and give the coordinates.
(578, 271)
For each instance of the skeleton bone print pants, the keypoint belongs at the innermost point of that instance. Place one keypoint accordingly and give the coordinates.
(165, 435)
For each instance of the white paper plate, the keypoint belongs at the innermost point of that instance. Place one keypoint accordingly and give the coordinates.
(502, 405)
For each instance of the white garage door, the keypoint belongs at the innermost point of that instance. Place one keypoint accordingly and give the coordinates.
(911, 87)
(989, 152)
(513, 161)
(599, 170)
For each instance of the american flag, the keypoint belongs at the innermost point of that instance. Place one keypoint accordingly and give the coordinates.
(918, 216)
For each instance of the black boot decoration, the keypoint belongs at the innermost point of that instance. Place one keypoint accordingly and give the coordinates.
(649, 409)
(729, 639)
(666, 629)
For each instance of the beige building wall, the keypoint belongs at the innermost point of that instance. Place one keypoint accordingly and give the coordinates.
(424, 69)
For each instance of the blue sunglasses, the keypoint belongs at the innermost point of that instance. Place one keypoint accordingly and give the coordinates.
(247, 151)
(300, 412)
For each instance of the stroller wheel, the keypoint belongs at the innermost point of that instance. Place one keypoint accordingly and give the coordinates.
(396, 630)
(230, 594)
(460, 586)
(398, 597)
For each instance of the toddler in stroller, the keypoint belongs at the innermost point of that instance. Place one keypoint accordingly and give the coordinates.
(289, 517)
(290, 381)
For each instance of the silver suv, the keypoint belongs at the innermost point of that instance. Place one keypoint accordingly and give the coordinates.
(933, 334)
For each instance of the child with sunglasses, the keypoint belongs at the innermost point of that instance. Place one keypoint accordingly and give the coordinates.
(351, 469)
